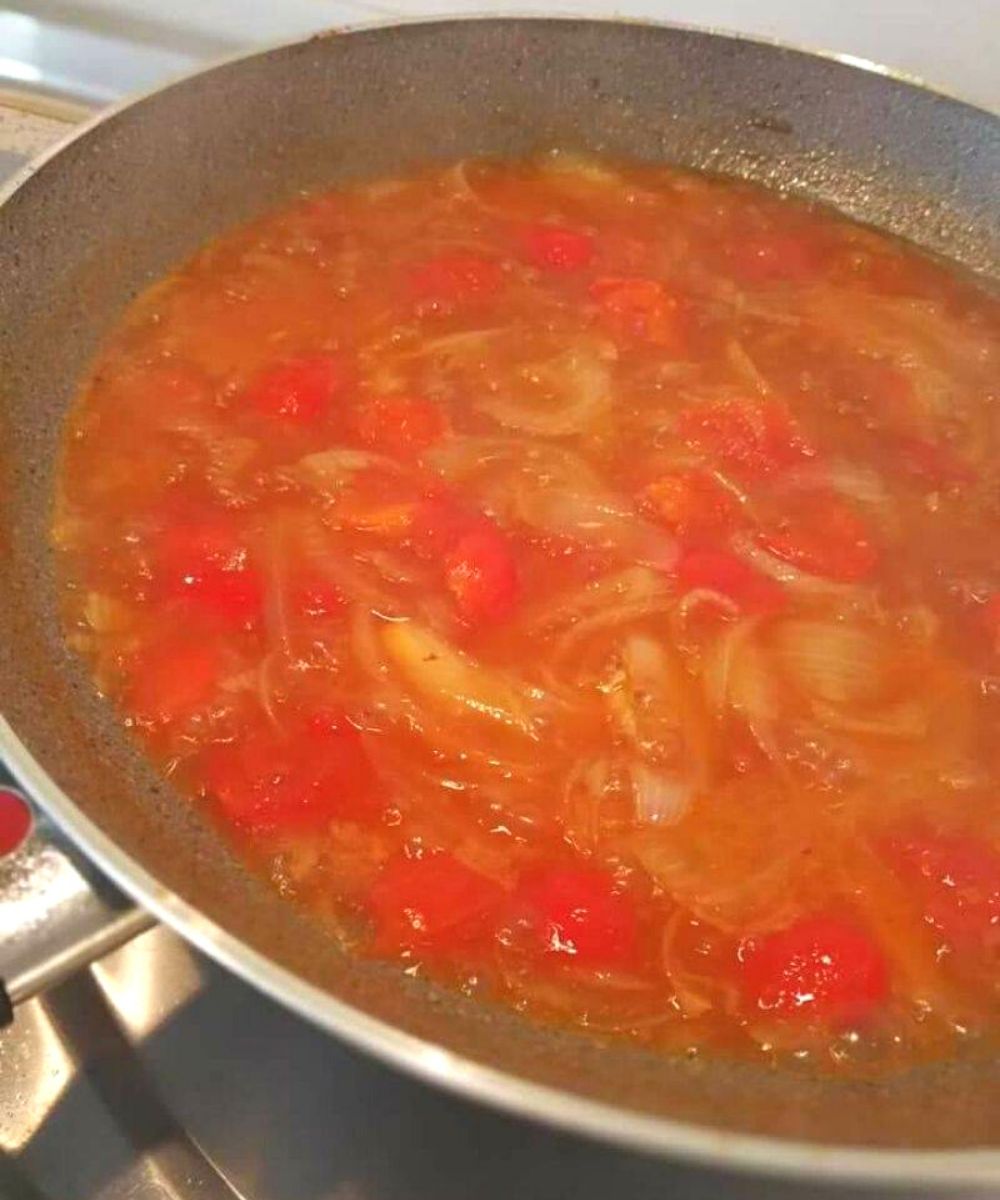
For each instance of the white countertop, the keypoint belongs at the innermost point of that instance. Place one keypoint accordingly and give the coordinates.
(98, 49)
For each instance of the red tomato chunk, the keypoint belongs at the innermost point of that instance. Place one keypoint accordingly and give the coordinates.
(957, 881)
(822, 968)
(301, 390)
(823, 536)
(554, 248)
(692, 503)
(206, 565)
(482, 576)
(402, 425)
(276, 783)
(718, 571)
(577, 916)
(455, 280)
(431, 904)
(174, 679)
(756, 438)
(640, 309)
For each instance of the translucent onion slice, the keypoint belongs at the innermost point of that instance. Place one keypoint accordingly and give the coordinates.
(553, 490)
(634, 587)
(596, 518)
(906, 721)
(564, 395)
(462, 456)
(330, 470)
(454, 681)
(833, 662)
(661, 798)
(855, 480)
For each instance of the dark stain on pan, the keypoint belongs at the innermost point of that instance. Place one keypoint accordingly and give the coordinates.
(94, 226)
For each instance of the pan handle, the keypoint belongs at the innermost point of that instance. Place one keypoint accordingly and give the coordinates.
(57, 913)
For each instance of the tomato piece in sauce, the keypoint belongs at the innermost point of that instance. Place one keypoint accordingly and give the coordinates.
(481, 573)
(755, 437)
(477, 558)
(401, 425)
(821, 968)
(300, 390)
(558, 248)
(822, 535)
(434, 904)
(451, 281)
(956, 879)
(692, 503)
(439, 523)
(720, 571)
(205, 563)
(173, 680)
(642, 310)
(577, 916)
(277, 782)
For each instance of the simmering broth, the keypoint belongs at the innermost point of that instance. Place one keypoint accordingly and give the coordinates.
(578, 581)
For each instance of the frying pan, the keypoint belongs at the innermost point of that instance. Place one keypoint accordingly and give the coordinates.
(140, 188)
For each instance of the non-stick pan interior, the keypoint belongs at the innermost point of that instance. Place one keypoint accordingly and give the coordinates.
(139, 191)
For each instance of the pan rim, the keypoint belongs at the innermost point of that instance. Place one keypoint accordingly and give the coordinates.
(630, 1129)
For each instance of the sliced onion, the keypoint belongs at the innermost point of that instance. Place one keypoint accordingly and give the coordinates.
(227, 455)
(696, 598)
(746, 368)
(459, 457)
(563, 395)
(593, 518)
(723, 661)
(454, 681)
(322, 553)
(396, 569)
(462, 456)
(583, 795)
(366, 645)
(661, 711)
(906, 721)
(919, 334)
(608, 618)
(660, 798)
(767, 563)
(332, 469)
(834, 662)
(758, 902)
(857, 481)
(632, 587)
(696, 994)
(736, 676)
(276, 575)
(456, 345)
(555, 491)
(753, 695)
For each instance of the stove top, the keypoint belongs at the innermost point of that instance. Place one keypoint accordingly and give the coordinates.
(157, 1076)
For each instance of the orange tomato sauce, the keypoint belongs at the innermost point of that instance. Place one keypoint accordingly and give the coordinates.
(579, 582)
